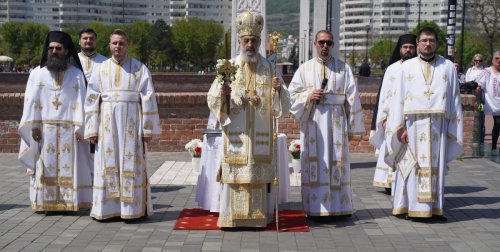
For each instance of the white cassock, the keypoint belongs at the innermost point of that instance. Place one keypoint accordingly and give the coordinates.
(383, 171)
(120, 109)
(249, 148)
(59, 165)
(324, 134)
(489, 80)
(427, 102)
(91, 63)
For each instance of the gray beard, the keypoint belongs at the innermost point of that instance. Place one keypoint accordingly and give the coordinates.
(56, 63)
(250, 57)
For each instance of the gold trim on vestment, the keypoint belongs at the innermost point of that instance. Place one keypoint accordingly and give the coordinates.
(51, 122)
(330, 213)
(60, 206)
(421, 214)
(124, 216)
(380, 184)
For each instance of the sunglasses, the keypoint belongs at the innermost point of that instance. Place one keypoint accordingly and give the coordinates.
(327, 42)
(57, 48)
(478, 60)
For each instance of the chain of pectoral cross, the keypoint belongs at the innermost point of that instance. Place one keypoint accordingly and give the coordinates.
(58, 78)
(428, 91)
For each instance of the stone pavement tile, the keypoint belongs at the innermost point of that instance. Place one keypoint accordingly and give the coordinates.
(52, 249)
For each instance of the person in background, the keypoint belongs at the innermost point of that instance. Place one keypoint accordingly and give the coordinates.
(477, 67)
(404, 50)
(489, 81)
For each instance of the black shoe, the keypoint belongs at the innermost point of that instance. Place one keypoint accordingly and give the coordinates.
(388, 191)
(439, 218)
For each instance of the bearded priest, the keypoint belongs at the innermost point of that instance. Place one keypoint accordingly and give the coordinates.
(256, 98)
(51, 130)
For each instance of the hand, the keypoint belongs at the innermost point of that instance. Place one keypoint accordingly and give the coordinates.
(276, 83)
(147, 139)
(78, 137)
(317, 94)
(478, 90)
(225, 89)
(254, 100)
(402, 135)
(93, 140)
(36, 134)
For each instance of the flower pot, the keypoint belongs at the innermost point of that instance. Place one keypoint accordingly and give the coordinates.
(195, 162)
(296, 165)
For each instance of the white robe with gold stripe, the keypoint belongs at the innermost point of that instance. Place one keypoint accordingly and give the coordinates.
(383, 171)
(324, 134)
(121, 109)
(58, 166)
(90, 64)
(427, 102)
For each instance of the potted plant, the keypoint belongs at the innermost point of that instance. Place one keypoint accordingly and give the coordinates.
(294, 150)
(194, 148)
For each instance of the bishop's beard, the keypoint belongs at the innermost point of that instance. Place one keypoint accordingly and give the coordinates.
(57, 63)
(249, 56)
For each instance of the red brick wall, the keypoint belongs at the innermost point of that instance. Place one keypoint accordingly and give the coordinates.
(184, 115)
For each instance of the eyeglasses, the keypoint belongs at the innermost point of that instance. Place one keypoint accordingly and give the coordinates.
(431, 41)
(57, 48)
(327, 42)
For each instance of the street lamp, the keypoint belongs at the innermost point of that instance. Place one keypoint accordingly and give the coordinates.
(367, 30)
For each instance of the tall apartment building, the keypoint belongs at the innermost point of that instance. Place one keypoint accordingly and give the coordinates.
(365, 21)
(57, 13)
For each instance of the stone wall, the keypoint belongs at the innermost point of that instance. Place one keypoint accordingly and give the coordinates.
(183, 112)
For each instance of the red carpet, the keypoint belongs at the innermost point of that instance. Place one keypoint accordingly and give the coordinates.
(199, 219)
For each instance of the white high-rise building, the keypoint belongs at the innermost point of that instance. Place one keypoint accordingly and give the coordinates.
(57, 13)
(364, 21)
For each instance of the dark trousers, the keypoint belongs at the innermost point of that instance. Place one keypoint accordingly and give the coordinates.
(495, 131)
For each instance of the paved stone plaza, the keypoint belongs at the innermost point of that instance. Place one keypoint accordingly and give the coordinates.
(472, 207)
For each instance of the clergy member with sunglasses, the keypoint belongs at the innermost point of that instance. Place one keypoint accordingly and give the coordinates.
(326, 100)
(52, 127)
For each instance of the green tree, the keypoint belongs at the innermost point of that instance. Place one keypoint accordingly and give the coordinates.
(441, 35)
(23, 41)
(139, 36)
(162, 50)
(485, 21)
(472, 45)
(381, 52)
(197, 40)
(10, 35)
(33, 37)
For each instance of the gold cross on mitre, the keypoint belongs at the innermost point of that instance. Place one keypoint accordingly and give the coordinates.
(56, 103)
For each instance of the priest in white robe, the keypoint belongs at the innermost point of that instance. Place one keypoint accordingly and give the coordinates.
(51, 130)
(325, 99)
(256, 98)
(424, 130)
(404, 50)
(121, 116)
(88, 55)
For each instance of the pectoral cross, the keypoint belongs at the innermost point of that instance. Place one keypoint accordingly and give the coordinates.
(56, 103)
(428, 92)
